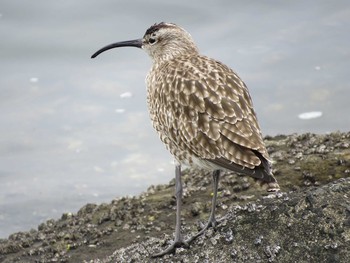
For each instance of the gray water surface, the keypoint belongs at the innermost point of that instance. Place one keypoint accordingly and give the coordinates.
(75, 130)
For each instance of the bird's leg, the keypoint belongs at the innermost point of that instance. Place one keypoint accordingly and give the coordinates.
(211, 221)
(178, 241)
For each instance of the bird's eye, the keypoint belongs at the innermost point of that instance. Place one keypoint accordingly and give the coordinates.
(152, 41)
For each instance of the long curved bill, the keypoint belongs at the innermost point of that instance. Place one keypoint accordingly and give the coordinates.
(129, 43)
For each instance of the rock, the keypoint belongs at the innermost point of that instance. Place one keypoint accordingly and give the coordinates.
(308, 221)
(312, 225)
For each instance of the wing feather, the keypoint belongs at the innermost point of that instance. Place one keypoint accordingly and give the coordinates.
(215, 119)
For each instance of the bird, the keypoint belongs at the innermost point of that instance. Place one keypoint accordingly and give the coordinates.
(202, 112)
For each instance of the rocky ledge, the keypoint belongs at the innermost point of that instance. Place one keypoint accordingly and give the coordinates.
(308, 221)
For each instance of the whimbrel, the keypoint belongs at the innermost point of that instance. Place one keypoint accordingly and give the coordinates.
(203, 113)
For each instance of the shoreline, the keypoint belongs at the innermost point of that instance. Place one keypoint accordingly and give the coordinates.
(310, 169)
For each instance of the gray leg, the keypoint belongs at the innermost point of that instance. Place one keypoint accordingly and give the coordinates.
(178, 241)
(211, 221)
(178, 195)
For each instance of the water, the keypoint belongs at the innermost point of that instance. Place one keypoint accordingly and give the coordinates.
(75, 130)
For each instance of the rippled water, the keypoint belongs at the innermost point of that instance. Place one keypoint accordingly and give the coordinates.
(75, 130)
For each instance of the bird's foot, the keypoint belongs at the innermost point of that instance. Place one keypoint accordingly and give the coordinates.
(186, 243)
(211, 223)
(172, 248)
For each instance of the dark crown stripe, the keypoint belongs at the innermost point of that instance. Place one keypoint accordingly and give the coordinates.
(156, 27)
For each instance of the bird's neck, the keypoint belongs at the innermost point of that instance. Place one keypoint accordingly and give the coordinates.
(171, 52)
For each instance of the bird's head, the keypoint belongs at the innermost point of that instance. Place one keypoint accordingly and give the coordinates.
(161, 41)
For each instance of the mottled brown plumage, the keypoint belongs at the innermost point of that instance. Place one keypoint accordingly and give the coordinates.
(202, 112)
